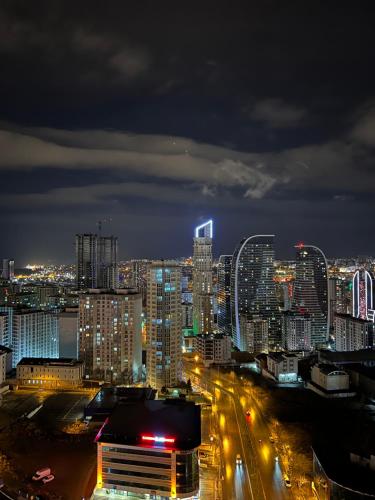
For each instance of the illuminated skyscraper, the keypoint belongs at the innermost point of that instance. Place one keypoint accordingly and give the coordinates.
(202, 279)
(223, 294)
(253, 288)
(164, 326)
(110, 337)
(363, 295)
(311, 290)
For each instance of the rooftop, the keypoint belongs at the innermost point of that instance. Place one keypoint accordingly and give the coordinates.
(352, 318)
(362, 355)
(111, 291)
(109, 397)
(50, 362)
(328, 368)
(5, 350)
(172, 418)
(280, 356)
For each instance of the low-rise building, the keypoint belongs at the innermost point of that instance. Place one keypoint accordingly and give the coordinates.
(351, 334)
(150, 448)
(50, 373)
(283, 366)
(330, 381)
(214, 348)
(364, 357)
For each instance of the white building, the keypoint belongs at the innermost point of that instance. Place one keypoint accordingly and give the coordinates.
(254, 334)
(329, 377)
(351, 334)
(5, 362)
(164, 328)
(283, 366)
(110, 336)
(296, 331)
(214, 348)
(202, 279)
(29, 333)
(50, 373)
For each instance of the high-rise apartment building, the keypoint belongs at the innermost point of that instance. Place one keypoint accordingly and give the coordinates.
(253, 288)
(363, 294)
(164, 328)
(254, 334)
(296, 331)
(107, 262)
(29, 333)
(138, 277)
(97, 265)
(110, 337)
(351, 334)
(223, 295)
(202, 279)
(8, 269)
(337, 299)
(311, 290)
(87, 260)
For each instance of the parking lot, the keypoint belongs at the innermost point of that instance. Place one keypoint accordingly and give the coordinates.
(27, 444)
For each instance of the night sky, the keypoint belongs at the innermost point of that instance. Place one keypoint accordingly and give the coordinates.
(157, 115)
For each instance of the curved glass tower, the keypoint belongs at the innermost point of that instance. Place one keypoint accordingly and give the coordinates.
(363, 297)
(253, 291)
(311, 290)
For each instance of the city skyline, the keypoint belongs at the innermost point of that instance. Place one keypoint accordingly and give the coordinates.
(103, 118)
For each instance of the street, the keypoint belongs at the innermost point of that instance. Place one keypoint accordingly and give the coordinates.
(260, 476)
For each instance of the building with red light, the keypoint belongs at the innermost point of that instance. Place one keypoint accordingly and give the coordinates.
(149, 448)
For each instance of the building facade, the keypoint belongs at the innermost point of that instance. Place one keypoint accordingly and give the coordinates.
(29, 332)
(311, 291)
(224, 321)
(5, 362)
(253, 290)
(214, 348)
(110, 336)
(68, 332)
(8, 269)
(296, 331)
(255, 332)
(363, 295)
(149, 449)
(202, 279)
(60, 373)
(283, 366)
(164, 325)
(351, 334)
(97, 265)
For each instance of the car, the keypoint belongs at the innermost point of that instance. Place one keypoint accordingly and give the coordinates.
(39, 474)
(248, 413)
(238, 459)
(276, 458)
(287, 482)
(48, 479)
(271, 439)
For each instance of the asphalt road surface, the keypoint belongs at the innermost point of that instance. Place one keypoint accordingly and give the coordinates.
(259, 477)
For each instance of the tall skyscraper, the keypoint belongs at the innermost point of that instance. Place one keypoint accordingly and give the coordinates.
(202, 279)
(97, 265)
(107, 262)
(87, 260)
(223, 295)
(253, 288)
(311, 290)
(8, 269)
(110, 337)
(337, 299)
(164, 328)
(363, 294)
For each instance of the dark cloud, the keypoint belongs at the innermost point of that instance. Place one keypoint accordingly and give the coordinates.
(157, 114)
